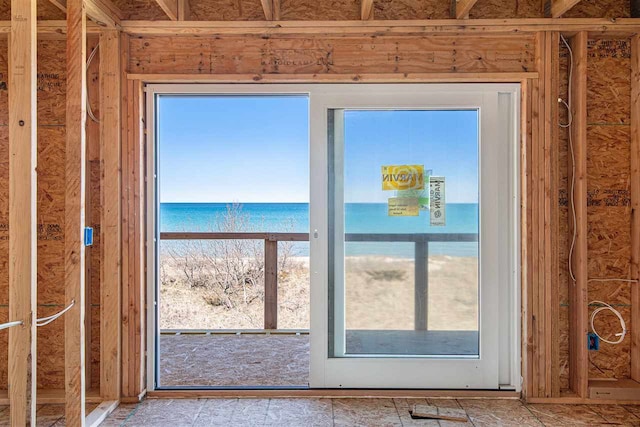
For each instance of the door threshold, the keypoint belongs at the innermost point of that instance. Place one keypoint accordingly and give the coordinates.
(332, 393)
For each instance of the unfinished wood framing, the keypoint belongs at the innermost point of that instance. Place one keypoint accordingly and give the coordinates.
(133, 236)
(170, 7)
(22, 211)
(259, 47)
(635, 205)
(622, 27)
(557, 8)
(110, 222)
(75, 171)
(578, 362)
(103, 12)
(463, 7)
(366, 10)
(267, 8)
(184, 10)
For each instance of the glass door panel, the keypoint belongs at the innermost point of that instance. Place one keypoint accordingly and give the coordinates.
(405, 233)
(415, 255)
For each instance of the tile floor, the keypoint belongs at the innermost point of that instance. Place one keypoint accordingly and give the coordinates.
(344, 412)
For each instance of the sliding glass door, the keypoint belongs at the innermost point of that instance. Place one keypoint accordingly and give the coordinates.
(418, 191)
(413, 225)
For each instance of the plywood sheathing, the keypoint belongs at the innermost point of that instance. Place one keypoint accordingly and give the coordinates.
(410, 9)
(226, 10)
(51, 154)
(599, 8)
(92, 218)
(141, 10)
(51, 184)
(46, 10)
(344, 55)
(500, 9)
(564, 232)
(609, 211)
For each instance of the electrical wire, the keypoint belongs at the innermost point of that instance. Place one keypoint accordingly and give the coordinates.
(89, 110)
(46, 320)
(605, 306)
(573, 158)
(573, 174)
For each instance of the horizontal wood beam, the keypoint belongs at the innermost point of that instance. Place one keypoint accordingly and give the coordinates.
(463, 7)
(336, 78)
(170, 8)
(569, 26)
(103, 12)
(447, 26)
(366, 10)
(557, 8)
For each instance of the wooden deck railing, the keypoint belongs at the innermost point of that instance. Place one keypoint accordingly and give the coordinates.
(421, 257)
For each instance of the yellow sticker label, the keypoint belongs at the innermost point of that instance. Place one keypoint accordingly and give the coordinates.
(403, 177)
(404, 206)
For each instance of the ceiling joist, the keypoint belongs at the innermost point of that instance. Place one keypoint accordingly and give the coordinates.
(103, 12)
(366, 10)
(462, 8)
(557, 8)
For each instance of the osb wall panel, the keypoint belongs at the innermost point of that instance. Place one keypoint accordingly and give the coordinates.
(4, 212)
(608, 186)
(600, 9)
(504, 9)
(239, 10)
(344, 55)
(46, 10)
(411, 9)
(608, 101)
(51, 203)
(50, 219)
(226, 10)
(141, 10)
(92, 217)
(564, 238)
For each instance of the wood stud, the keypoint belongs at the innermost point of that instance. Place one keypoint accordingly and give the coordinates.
(110, 284)
(578, 359)
(22, 211)
(75, 181)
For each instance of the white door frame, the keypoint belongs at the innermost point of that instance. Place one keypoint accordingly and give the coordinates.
(327, 372)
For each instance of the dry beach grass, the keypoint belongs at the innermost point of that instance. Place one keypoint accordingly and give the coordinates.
(379, 295)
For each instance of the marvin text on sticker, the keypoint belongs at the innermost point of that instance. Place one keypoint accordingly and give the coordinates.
(403, 177)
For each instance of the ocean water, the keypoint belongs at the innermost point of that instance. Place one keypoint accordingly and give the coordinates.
(294, 217)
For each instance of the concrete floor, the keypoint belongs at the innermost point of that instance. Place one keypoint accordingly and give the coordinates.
(344, 412)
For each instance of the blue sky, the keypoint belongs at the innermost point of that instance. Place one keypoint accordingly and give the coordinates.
(255, 149)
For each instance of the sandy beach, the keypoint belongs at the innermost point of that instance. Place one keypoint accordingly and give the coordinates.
(379, 295)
